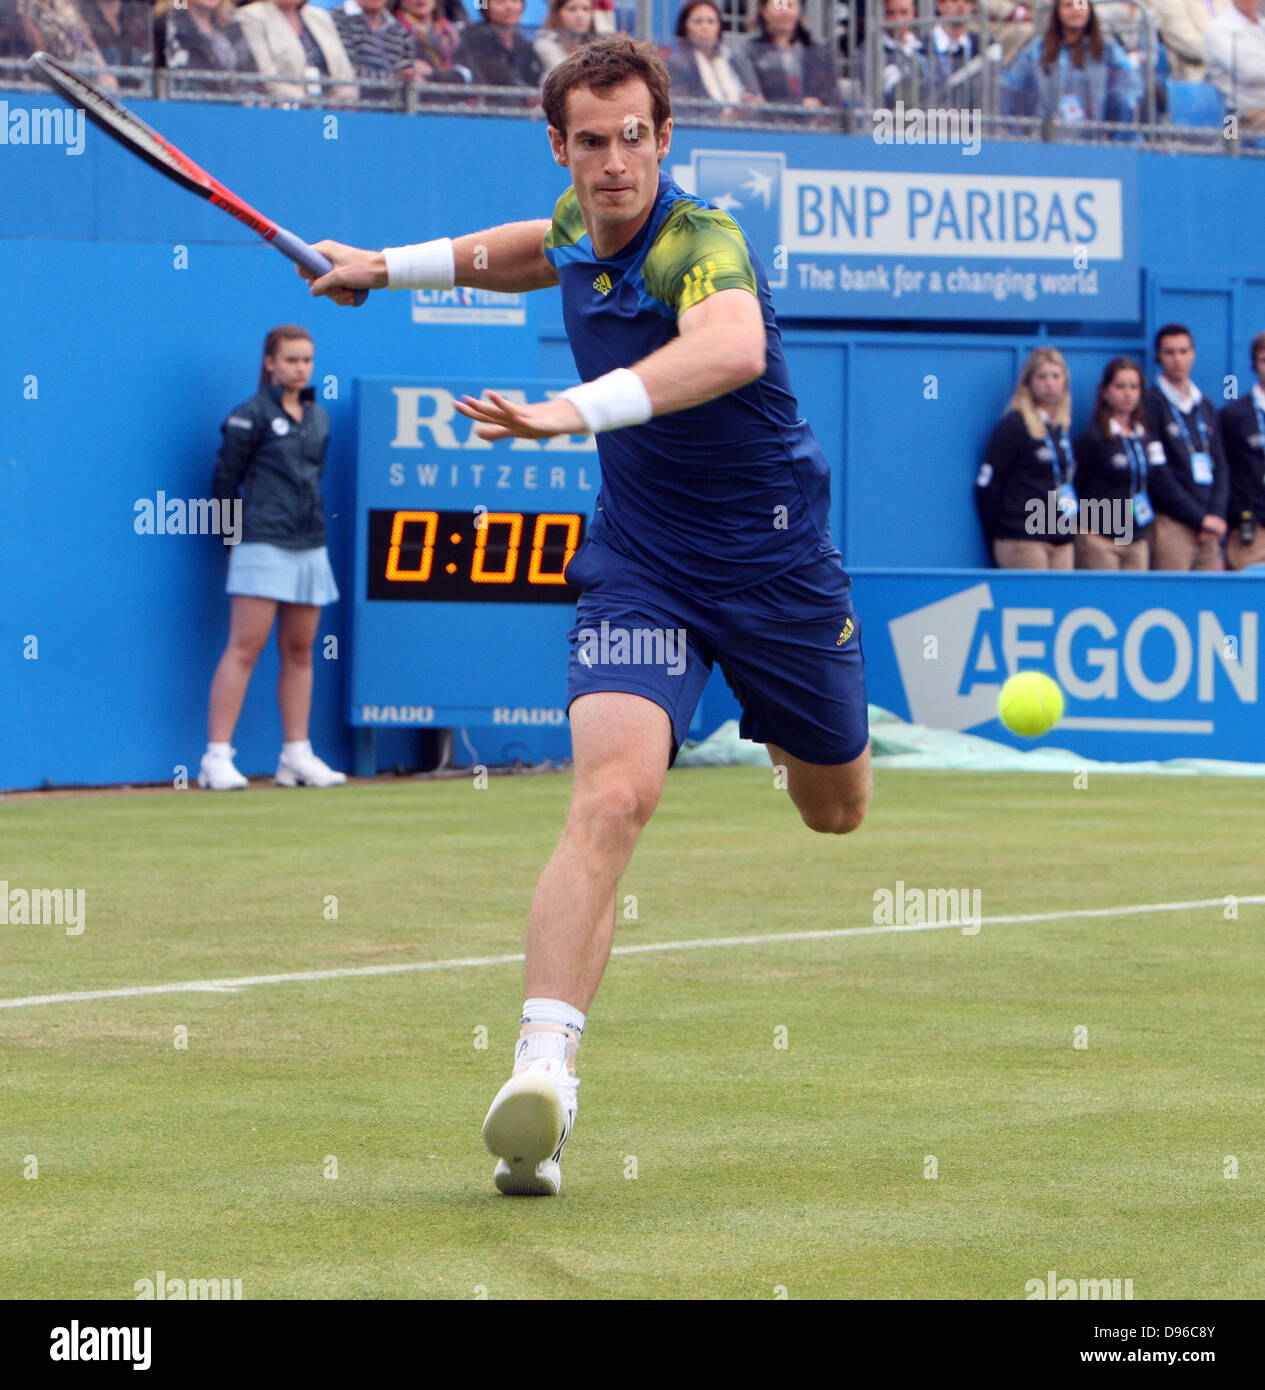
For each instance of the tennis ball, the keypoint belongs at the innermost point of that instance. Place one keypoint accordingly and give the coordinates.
(1030, 703)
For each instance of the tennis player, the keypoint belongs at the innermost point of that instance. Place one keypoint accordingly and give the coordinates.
(710, 541)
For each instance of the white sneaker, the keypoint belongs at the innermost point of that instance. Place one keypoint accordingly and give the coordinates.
(219, 774)
(527, 1127)
(307, 770)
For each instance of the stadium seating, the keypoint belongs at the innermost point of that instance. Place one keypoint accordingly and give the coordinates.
(1195, 104)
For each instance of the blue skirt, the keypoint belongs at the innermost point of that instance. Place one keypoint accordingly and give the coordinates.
(259, 570)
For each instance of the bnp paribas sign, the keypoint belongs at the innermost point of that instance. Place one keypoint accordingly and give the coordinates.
(953, 230)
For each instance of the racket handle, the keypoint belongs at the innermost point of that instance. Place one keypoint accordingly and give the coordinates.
(309, 258)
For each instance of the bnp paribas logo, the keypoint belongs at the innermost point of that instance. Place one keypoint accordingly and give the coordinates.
(747, 184)
(603, 283)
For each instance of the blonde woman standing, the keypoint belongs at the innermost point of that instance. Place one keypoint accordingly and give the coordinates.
(1024, 489)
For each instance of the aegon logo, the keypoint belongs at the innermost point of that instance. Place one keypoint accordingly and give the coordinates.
(954, 654)
(441, 420)
(521, 715)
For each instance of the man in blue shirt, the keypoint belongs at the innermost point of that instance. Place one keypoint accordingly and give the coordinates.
(710, 541)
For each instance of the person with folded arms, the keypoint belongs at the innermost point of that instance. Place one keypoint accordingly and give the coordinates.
(1024, 487)
(1242, 425)
(1191, 490)
(1114, 454)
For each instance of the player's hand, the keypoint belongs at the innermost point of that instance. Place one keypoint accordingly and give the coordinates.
(354, 269)
(1213, 525)
(499, 418)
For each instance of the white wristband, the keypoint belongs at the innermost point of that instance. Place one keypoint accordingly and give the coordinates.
(430, 265)
(612, 401)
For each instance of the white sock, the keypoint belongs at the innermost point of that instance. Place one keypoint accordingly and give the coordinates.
(551, 1028)
(218, 750)
(301, 749)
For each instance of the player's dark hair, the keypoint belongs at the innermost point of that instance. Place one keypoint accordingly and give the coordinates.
(801, 34)
(276, 336)
(1090, 40)
(1172, 330)
(1102, 411)
(688, 9)
(602, 65)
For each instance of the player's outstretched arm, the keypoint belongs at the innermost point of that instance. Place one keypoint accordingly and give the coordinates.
(720, 348)
(509, 258)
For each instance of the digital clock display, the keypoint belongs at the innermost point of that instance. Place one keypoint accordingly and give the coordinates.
(473, 555)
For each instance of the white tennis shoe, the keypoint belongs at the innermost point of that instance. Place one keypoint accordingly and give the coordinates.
(218, 773)
(307, 770)
(527, 1127)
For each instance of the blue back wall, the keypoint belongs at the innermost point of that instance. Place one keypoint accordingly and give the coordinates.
(133, 320)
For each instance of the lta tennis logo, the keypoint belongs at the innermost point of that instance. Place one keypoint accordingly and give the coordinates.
(42, 125)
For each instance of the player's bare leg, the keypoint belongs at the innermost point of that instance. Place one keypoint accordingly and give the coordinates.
(296, 632)
(249, 625)
(831, 799)
(621, 745)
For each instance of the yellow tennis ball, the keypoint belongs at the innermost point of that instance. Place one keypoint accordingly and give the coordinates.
(1030, 703)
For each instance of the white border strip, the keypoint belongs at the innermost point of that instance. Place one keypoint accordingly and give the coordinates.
(229, 986)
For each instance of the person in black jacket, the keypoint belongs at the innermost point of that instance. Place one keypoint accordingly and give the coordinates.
(1024, 490)
(496, 51)
(1114, 455)
(1191, 490)
(1242, 426)
(121, 30)
(274, 451)
(789, 66)
(201, 36)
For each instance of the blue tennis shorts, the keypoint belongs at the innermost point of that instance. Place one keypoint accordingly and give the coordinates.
(259, 570)
(790, 650)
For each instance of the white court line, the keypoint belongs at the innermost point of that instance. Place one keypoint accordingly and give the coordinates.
(227, 986)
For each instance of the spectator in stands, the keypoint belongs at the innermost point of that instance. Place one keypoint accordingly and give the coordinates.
(381, 49)
(955, 57)
(57, 27)
(1182, 25)
(435, 37)
(568, 24)
(298, 43)
(1025, 482)
(1124, 21)
(1234, 51)
(1072, 73)
(902, 73)
(278, 569)
(122, 32)
(790, 68)
(1010, 24)
(702, 67)
(1242, 426)
(1191, 490)
(13, 42)
(1113, 455)
(201, 36)
(496, 51)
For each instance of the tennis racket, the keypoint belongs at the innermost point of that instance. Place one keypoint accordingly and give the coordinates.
(133, 134)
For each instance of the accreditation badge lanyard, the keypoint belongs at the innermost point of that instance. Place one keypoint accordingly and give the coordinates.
(1067, 500)
(1201, 458)
(1260, 424)
(1143, 513)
